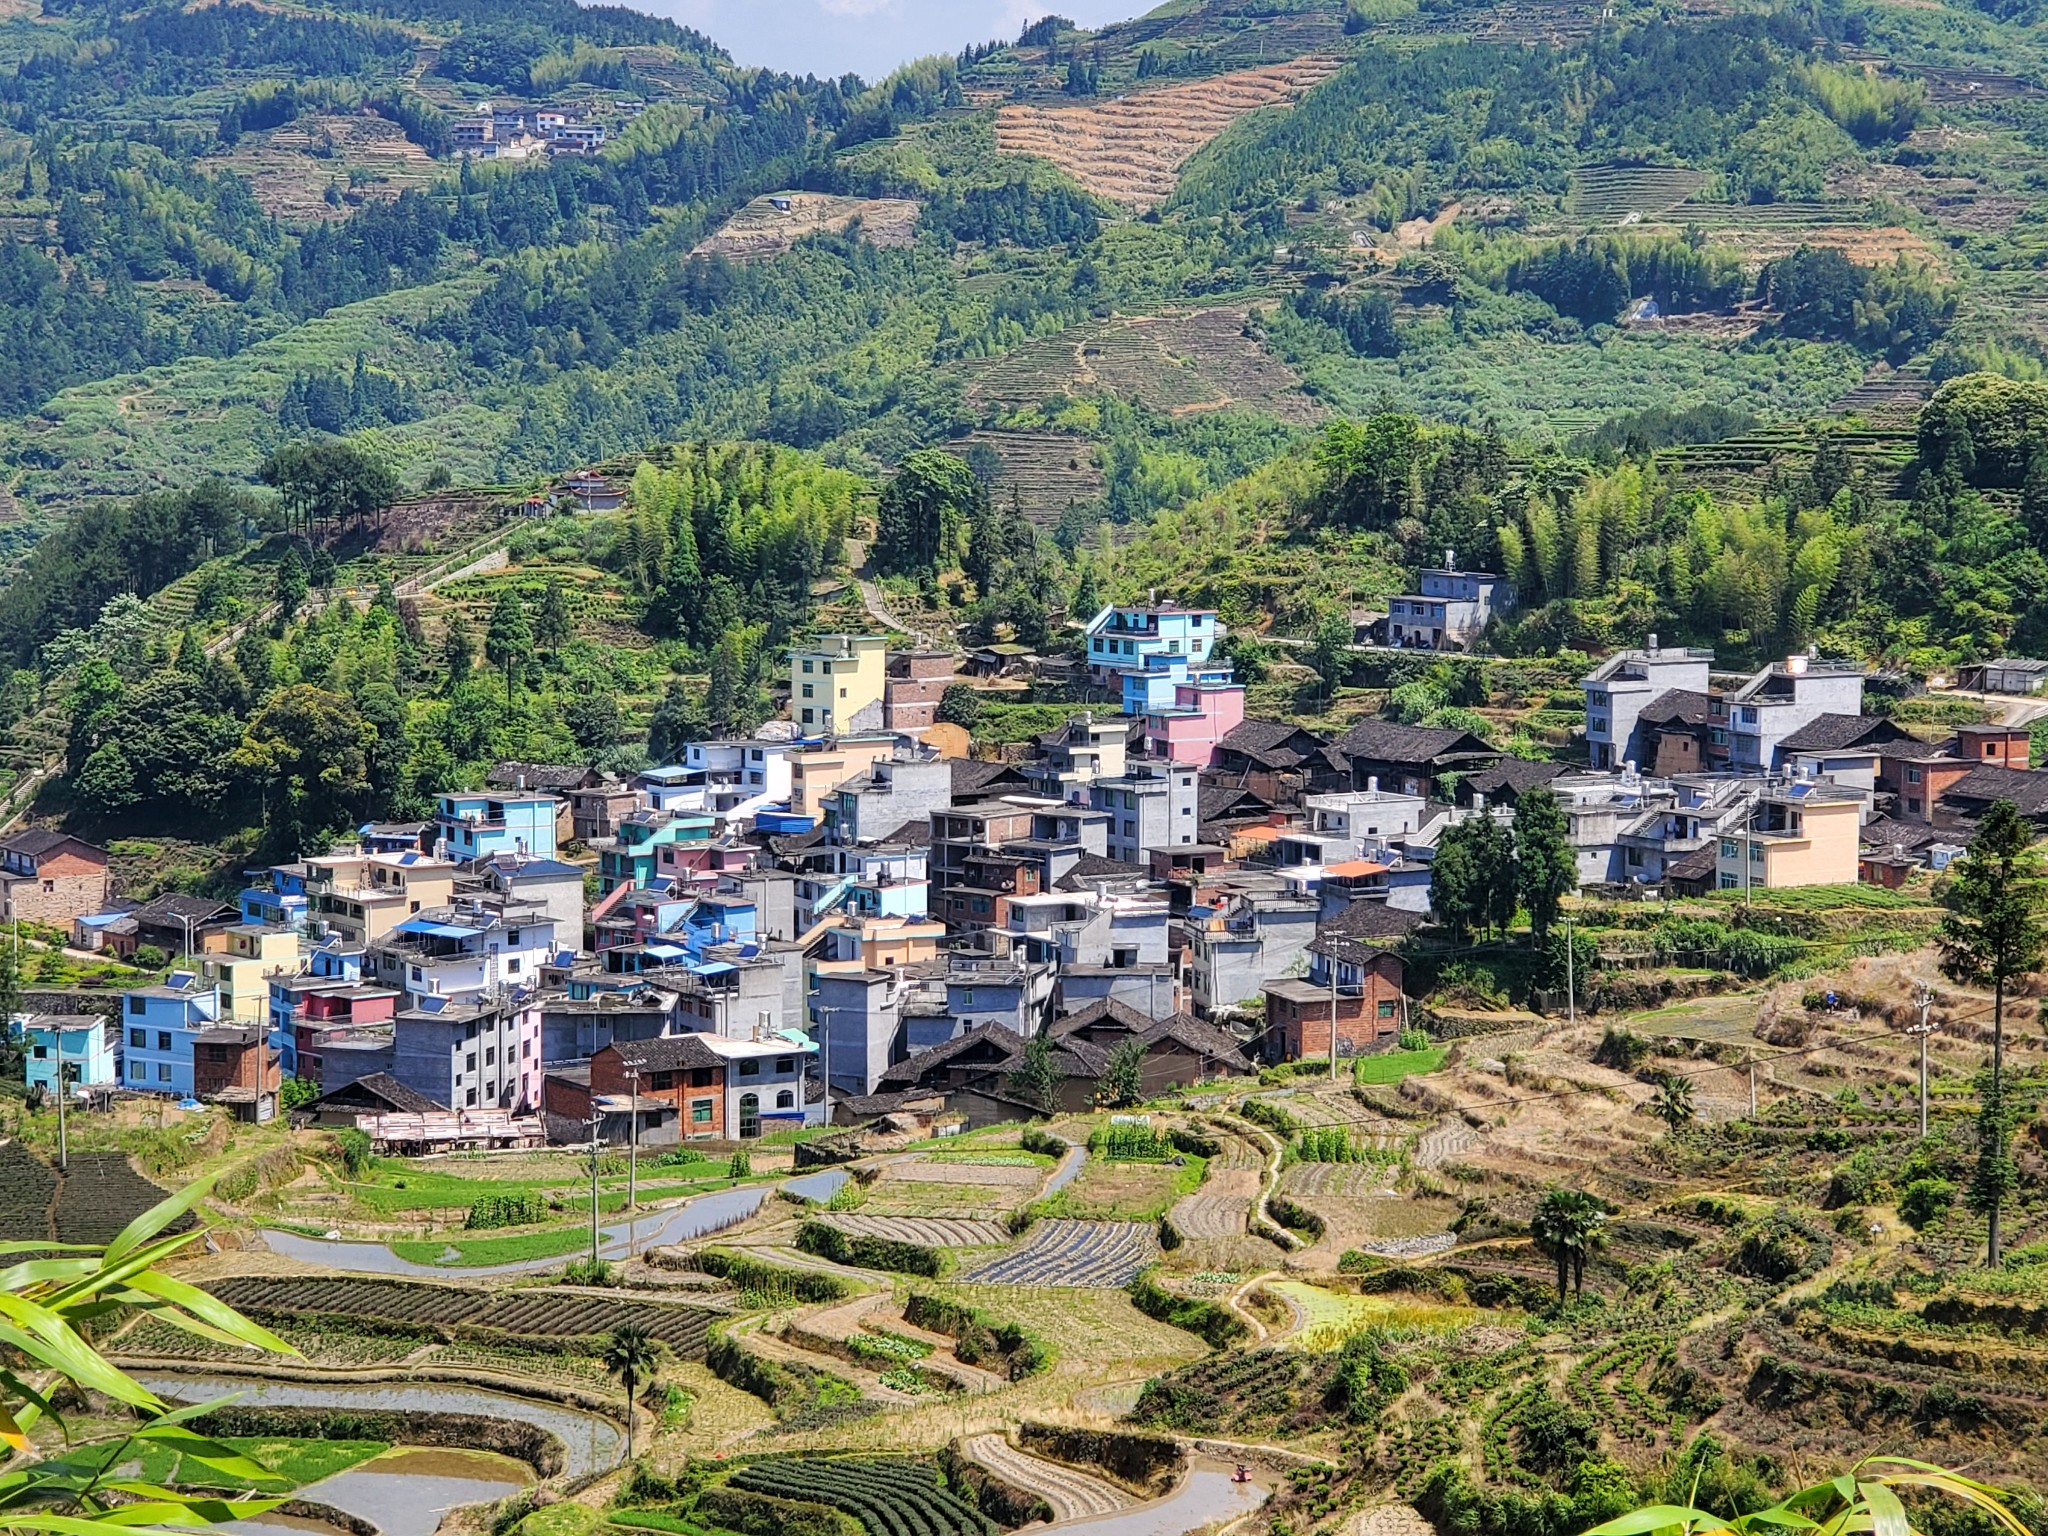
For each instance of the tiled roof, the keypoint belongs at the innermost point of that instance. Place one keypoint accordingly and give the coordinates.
(1513, 773)
(1412, 745)
(1676, 706)
(382, 1085)
(1372, 920)
(1008, 1041)
(1271, 743)
(1839, 733)
(2025, 788)
(670, 1053)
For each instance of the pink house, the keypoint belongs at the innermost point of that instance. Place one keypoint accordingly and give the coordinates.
(1202, 714)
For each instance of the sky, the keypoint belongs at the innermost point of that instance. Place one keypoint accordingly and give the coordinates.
(869, 37)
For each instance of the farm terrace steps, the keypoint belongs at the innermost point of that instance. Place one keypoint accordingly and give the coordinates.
(526, 1313)
(919, 1169)
(1097, 1254)
(1131, 150)
(1046, 471)
(927, 1231)
(1072, 1495)
(1213, 1215)
(761, 229)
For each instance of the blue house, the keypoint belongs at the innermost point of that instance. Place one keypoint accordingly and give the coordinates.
(483, 825)
(83, 1043)
(158, 1026)
(1150, 689)
(277, 897)
(1124, 639)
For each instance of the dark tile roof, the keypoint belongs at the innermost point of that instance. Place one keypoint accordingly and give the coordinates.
(1885, 834)
(1840, 733)
(1008, 1041)
(1349, 950)
(174, 911)
(1372, 920)
(1411, 745)
(1697, 865)
(972, 778)
(1105, 1010)
(1513, 774)
(1093, 866)
(1675, 706)
(1220, 802)
(1272, 743)
(2025, 788)
(1180, 1029)
(670, 1053)
(34, 842)
(1202, 1039)
(382, 1085)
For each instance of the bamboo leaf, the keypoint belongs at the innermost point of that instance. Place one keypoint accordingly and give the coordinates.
(1888, 1515)
(1659, 1517)
(156, 1218)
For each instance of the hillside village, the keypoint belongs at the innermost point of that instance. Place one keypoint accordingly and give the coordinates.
(848, 917)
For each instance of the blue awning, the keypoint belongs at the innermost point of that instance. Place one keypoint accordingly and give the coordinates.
(715, 968)
(420, 927)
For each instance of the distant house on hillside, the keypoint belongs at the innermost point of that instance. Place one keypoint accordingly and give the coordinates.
(50, 877)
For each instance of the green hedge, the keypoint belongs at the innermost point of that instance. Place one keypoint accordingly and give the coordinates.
(1271, 1116)
(866, 1252)
(1296, 1217)
(488, 1212)
(1194, 1143)
(1044, 1143)
(752, 1274)
(1216, 1326)
(761, 1514)
(980, 1339)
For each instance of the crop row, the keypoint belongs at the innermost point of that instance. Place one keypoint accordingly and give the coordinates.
(519, 1314)
(1497, 1429)
(1078, 1253)
(889, 1498)
(26, 1186)
(99, 1194)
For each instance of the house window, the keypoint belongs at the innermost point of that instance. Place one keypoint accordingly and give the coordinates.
(135, 1005)
(785, 1065)
(807, 668)
(1756, 853)
(1727, 847)
(42, 1053)
(1386, 1009)
(163, 1072)
(1729, 882)
(661, 1082)
(808, 716)
(1913, 806)
(1635, 858)
(1912, 775)
(785, 1100)
(1989, 751)
(700, 1111)
(750, 1069)
(700, 1077)
(807, 692)
(137, 1070)
(139, 1038)
(469, 1099)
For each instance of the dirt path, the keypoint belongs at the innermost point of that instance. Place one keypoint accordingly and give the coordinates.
(1073, 1495)
(870, 595)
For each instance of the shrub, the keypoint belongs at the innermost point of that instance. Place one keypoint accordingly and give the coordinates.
(1044, 1143)
(1130, 1144)
(870, 1252)
(353, 1149)
(1622, 1049)
(1271, 1116)
(751, 1274)
(1216, 1326)
(1414, 1038)
(1925, 1202)
(760, 1514)
(522, 1209)
(1193, 1143)
(588, 1272)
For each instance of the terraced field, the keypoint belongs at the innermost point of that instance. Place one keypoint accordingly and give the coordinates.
(1072, 1494)
(1222, 1207)
(929, 1232)
(1131, 150)
(1047, 471)
(1608, 194)
(290, 169)
(1077, 1253)
(451, 1311)
(1883, 451)
(1182, 363)
(762, 230)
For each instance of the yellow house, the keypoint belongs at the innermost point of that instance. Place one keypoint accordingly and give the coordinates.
(849, 943)
(1802, 834)
(365, 897)
(816, 772)
(836, 684)
(255, 953)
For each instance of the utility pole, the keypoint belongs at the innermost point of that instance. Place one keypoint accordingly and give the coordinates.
(1923, 1029)
(596, 1120)
(1748, 847)
(1332, 959)
(632, 1155)
(1571, 980)
(63, 1092)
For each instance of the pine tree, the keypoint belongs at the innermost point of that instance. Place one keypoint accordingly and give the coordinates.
(1546, 867)
(458, 651)
(509, 640)
(552, 623)
(1994, 933)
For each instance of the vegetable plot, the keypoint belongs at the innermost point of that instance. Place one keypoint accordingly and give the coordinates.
(1079, 1253)
(889, 1498)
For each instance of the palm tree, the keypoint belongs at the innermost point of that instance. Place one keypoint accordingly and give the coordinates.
(1673, 1103)
(632, 1356)
(1568, 1226)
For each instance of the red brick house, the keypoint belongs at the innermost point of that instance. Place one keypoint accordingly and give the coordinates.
(51, 877)
(234, 1065)
(679, 1070)
(1367, 1000)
